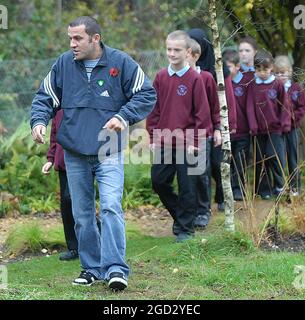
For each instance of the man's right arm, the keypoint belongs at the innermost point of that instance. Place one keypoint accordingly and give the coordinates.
(45, 104)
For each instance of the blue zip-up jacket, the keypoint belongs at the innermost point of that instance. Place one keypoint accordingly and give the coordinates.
(117, 87)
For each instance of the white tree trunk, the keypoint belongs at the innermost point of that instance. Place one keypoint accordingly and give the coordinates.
(225, 132)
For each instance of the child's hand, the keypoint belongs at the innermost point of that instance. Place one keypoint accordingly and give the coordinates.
(217, 138)
(152, 147)
(192, 150)
(233, 131)
(47, 167)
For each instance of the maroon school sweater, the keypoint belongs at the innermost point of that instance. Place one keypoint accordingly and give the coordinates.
(267, 108)
(55, 152)
(240, 95)
(296, 99)
(211, 91)
(231, 103)
(181, 104)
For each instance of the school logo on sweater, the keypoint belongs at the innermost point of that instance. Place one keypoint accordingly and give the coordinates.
(272, 94)
(239, 91)
(182, 90)
(295, 96)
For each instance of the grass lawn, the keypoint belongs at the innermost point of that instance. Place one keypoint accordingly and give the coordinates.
(226, 266)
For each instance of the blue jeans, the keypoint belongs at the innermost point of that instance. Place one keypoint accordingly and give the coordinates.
(101, 252)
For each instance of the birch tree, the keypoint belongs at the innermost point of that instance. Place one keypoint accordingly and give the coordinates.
(225, 132)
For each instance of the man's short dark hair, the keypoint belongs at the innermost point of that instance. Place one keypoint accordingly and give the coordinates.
(231, 56)
(92, 27)
(263, 59)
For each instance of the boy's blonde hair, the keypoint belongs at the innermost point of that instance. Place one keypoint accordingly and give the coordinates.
(180, 35)
(195, 47)
(282, 63)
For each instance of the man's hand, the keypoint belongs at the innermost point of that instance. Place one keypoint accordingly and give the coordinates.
(47, 167)
(38, 133)
(217, 138)
(114, 124)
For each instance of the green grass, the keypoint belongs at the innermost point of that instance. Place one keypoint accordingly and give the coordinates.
(226, 266)
(32, 237)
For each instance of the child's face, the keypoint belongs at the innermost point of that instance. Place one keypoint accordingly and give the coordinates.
(263, 72)
(282, 75)
(192, 59)
(177, 53)
(234, 68)
(246, 53)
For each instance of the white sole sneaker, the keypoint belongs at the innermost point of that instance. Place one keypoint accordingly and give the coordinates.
(117, 283)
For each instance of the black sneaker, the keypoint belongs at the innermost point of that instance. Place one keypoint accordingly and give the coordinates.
(183, 236)
(85, 279)
(201, 221)
(221, 206)
(69, 255)
(117, 281)
(176, 228)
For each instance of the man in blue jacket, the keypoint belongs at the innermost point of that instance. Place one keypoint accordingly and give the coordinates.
(101, 90)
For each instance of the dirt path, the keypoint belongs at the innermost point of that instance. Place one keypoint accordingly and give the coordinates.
(152, 221)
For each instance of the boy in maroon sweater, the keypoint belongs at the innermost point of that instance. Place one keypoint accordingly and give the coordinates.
(181, 105)
(268, 118)
(240, 140)
(296, 100)
(55, 157)
(204, 185)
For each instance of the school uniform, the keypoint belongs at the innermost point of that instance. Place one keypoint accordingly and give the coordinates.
(181, 104)
(240, 140)
(268, 118)
(296, 100)
(204, 180)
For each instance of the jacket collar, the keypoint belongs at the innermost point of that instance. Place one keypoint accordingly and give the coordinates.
(104, 58)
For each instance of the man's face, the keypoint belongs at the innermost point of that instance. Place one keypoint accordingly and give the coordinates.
(263, 72)
(81, 43)
(177, 53)
(234, 68)
(246, 53)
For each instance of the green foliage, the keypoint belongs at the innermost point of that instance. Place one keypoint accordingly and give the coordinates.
(138, 189)
(32, 237)
(21, 161)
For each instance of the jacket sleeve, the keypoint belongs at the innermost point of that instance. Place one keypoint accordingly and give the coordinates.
(153, 118)
(211, 89)
(231, 103)
(251, 111)
(202, 113)
(285, 109)
(299, 111)
(47, 99)
(139, 92)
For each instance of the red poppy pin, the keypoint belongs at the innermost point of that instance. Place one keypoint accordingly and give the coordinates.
(113, 72)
